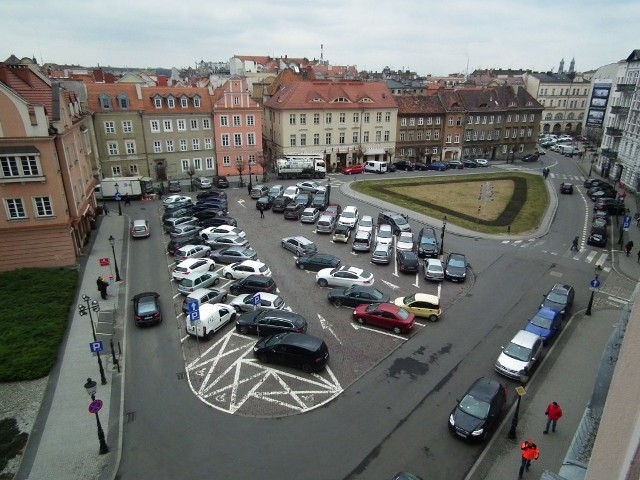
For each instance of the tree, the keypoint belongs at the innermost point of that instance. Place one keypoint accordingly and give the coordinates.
(264, 162)
(359, 153)
(191, 172)
(240, 167)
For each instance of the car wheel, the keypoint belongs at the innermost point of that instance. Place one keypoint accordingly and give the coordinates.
(322, 282)
(397, 330)
(243, 330)
(301, 266)
(262, 358)
(236, 308)
(212, 267)
(224, 298)
(228, 276)
(337, 303)
(283, 245)
(216, 281)
(361, 320)
(306, 367)
(233, 317)
(433, 318)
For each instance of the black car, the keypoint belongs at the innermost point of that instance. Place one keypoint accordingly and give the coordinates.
(207, 213)
(594, 182)
(602, 215)
(478, 412)
(178, 205)
(603, 194)
(319, 201)
(600, 187)
(177, 213)
(293, 211)
(610, 205)
(210, 194)
(559, 298)
(405, 165)
(303, 198)
(597, 238)
(146, 309)
(317, 261)
(280, 203)
(178, 243)
(566, 188)
(293, 349)
(212, 202)
(391, 167)
(398, 222)
(407, 261)
(532, 157)
(221, 182)
(356, 295)
(455, 268)
(217, 221)
(264, 202)
(470, 163)
(456, 164)
(270, 322)
(420, 166)
(174, 186)
(428, 243)
(253, 284)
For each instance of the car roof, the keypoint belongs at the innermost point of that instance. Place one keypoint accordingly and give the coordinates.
(426, 297)
(434, 261)
(190, 261)
(142, 295)
(524, 338)
(546, 312)
(200, 292)
(350, 208)
(363, 233)
(301, 340)
(384, 226)
(326, 217)
(382, 246)
(356, 270)
(485, 388)
(388, 307)
(310, 210)
(263, 295)
(561, 288)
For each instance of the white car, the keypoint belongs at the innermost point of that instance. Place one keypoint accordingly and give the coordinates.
(212, 233)
(291, 192)
(385, 235)
(244, 269)
(482, 162)
(268, 301)
(433, 269)
(349, 217)
(189, 265)
(310, 186)
(176, 198)
(405, 242)
(309, 215)
(366, 224)
(202, 182)
(519, 357)
(192, 251)
(344, 276)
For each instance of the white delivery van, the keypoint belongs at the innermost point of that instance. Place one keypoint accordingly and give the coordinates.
(375, 166)
(568, 150)
(212, 318)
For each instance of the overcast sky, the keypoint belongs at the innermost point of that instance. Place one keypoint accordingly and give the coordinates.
(424, 36)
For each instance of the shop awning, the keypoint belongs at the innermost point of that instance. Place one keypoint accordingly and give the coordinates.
(374, 151)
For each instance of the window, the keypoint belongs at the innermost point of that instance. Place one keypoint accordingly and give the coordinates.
(327, 138)
(427, 135)
(105, 102)
(133, 169)
(195, 143)
(379, 136)
(327, 119)
(343, 117)
(365, 117)
(419, 135)
(171, 102)
(224, 121)
(341, 138)
(477, 119)
(529, 132)
(420, 121)
(436, 134)
(521, 148)
(496, 133)
(522, 132)
(365, 137)
(197, 163)
(155, 126)
(184, 102)
(181, 125)
(448, 139)
(356, 118)
(467, 136)
(157, 102)
(387, 117)
(499, 119)
(386, 135)
(292, 140)
(20, 166)
(127, 126)
(429, 121)
(450, 122)
(208, 143)
(531, 117)
(504, 149)
(183, 145)
(402, 136)
(517, 119)
(184, 163)
(438, 120)
(411, 135)
(237, 121)
(354, 137)
(226, 161)
(196, 102)
(303, 139)
(456, 138)
(208, 163)
(15, 208)
(167, 125)
(130, 147)
(225, 140)
(110, 127)
(316, 139)
(316, 119)
(112, 147)
(236, 100)
(170, 146)
(378, 117)
(403, 122)
(484, 119)
(194, 124)
(237, 139)
(115, 171)
(482, 135)
(508, 118)
(434, 151)
(514, 133)
(506, 133)
(157, 146)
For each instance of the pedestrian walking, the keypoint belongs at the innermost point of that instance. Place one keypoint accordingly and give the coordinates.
(261, 208)
(628, 247)
(127, 201)
(574, 244)
(249, 188)
(530, 452)
(105, 209)
(553, 413)
(102, 287)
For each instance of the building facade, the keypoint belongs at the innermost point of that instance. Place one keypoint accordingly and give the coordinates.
(421, 120)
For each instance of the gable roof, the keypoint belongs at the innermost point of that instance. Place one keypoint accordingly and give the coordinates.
(24, 78)
(419, 104)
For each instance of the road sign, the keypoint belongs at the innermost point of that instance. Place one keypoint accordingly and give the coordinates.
(95, 406)
(256, 300)
(520, 390)
(96, 346)
(118, 196)
(626, 223)
(104, 262)
(594, 284)
(194, 311)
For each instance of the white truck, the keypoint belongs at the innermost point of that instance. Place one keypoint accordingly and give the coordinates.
(135, 187)
(309, 165)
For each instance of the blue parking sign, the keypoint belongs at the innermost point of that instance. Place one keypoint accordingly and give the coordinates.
(626, 223)
(256, 300)
(194, 311)
(96, 346)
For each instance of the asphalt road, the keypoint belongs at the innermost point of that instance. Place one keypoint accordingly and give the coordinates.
(388, 417)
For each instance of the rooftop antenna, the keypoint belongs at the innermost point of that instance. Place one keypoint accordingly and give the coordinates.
(321, 54)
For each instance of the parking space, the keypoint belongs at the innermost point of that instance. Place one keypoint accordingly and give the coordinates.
(223, 371)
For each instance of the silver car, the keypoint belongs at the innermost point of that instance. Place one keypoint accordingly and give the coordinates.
(184, 231)
(299, 245)
(519, 357)
(233, 254)
(197, 280)
(309, 215)
(405, 241)
(381, 254)
(227, 241)
(247, 302)
(326, 224)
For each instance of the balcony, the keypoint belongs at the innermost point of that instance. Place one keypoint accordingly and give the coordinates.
(619, 110)
(614, 131)
(625, 87)
(609, 153)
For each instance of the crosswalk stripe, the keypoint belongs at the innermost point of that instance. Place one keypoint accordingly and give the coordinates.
(591, 256)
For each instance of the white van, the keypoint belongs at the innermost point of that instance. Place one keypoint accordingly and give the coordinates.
(375, 166)
(568, 150)
(213, 316)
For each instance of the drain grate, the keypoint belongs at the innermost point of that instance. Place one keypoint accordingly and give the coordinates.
(131, 416)
(181, 375)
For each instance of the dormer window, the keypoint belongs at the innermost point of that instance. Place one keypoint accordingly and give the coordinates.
(105, 102)
(157, 102)
(317, 100)
(196, 101)
(171, 102)
(342, 100)
(123, 101)
(184, 102)
(512, 104)
(236, 100)
(366, 100)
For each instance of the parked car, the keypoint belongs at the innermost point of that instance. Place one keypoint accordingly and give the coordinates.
(342, 234)
(245, 268)
(333, 209)
(405, 165)
(610, 205)
(275, 191)
(603, 194)
(291, 192)
(482, 162)
(202, 183)
(174, 186)
(212, 318)
(456, 164)
(455, 268)
(518, 359)
(361, 241)
(177, 213)
(597, 238)
(177, 199)
(211, 233)
(356, 295)
(546, 324)
(270, 322)
(470, 163)
(559, 298)
(405, 242)
(385, 315)
(217, 221)
(317, 261)
(384, 235)
(191, 265)
(479, 411)
(299, 245)
(146, 309)
(407, 261)
(196, 280)
(391, 167)
(353, 169)
(382, 254)
(233, 254)
(140, 229)
(253, 284)
(433, 269)
(210, 214)
(259, 191)
(171, 223)
(366, 224)
(192, 251)
(325, 224)
(398, 222)
(183, 231)
(349, 217)
(421, 166)
(293, 349)
(264, 203)
(428, 243)
(421, 305)
(319, 201)
(293, 211)
(309, 215)
(211, 194)
(247, 302)
(566, 188)
(204, 296)
(310, 186)
(279, 203)
(174, 245)
(222, 182)
(344, 276)
(437, 166)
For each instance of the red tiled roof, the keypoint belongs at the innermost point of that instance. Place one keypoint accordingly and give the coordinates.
(417, 104)
(26, 83)
(95, 90)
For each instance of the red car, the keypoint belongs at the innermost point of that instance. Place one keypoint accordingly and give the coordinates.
(353, 169)
(385, 315)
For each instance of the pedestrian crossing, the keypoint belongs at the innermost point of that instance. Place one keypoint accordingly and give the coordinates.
(575, 179)
(585, 254)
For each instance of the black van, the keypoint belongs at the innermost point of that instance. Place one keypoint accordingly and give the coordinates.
(428, 243)
(398, 222)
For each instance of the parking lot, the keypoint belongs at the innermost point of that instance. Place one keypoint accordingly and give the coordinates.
(223, 371)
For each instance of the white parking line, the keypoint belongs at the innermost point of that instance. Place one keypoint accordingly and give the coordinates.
(362, 327)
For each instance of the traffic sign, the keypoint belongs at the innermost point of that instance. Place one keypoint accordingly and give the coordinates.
(194, 311)
(626, 223)
(95, 406)
(118, 196)
(594, 284)
(520, 390)
(104, 262)
(256, 300)
(96, 346)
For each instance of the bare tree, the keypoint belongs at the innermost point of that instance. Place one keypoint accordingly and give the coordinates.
(240, 167)
(359, 153)
(191, 172)
(264, 162)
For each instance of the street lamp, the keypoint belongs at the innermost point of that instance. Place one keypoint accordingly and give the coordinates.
(118, 199)
(514, 421)
(90, 386)
(82, 311)
(112, 242)
(594, 286)
(444, 226)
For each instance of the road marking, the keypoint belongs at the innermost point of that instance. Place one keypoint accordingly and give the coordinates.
(327, 326)
(390, 285)
(362, 327)
(241, 202)
(591, 256)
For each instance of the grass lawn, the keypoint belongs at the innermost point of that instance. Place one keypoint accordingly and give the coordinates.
(488, 203)
(34, 309)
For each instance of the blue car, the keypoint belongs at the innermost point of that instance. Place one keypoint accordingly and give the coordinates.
(546, 324)
(439, 166)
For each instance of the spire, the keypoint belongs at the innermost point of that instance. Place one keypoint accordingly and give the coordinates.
(561, 67)
(572, 65)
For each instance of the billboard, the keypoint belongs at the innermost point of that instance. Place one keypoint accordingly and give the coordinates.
(598, 103)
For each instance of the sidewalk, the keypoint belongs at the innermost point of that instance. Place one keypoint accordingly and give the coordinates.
(64, 442)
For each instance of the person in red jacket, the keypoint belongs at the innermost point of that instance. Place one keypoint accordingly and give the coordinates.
(530, 452)
(553, 413)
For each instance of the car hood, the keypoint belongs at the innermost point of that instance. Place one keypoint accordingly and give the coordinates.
(248, 318)
(336, 292)
(466, 422)
(511, 363)
(541, 332)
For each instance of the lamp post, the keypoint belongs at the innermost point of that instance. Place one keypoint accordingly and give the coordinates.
(514, 421)
(444, 226)
(90, 386)
(118, 199)
(112, 242)
(82, 311)
(594, 285)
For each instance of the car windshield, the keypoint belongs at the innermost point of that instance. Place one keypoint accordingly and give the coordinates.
(474, 407)
(409, 300)
(273, 340)
(435, 267)
(385, 233)
(348, 214)
(146, 306)
(372, 307)
(278, 302)
(247, 252)
(365, 222)
(456, 262)
(518, 352)
(557, 298)
(400, 221)
(541, 322)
